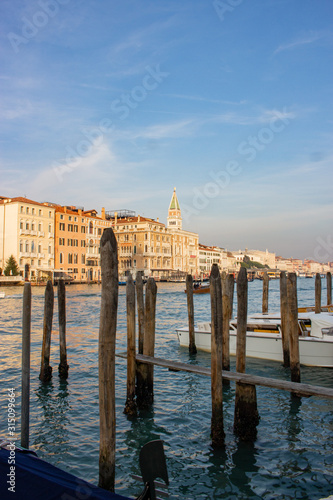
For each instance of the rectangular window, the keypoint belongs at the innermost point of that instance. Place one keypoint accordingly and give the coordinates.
(62, 226)
(83, 229)
(76, 228)
(70, 227)
(40, 212)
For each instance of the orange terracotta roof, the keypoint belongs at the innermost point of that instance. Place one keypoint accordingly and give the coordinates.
(21, 199)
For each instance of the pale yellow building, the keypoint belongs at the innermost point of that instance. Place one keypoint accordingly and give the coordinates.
(143, 244)
(27, 233)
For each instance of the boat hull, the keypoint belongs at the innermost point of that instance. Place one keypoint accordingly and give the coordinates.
(313, 351)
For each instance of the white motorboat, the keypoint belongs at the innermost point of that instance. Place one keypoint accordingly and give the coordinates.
(264, 340)
(2, 295)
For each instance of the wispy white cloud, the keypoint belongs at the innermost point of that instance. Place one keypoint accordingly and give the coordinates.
(204, 99)
(262, 117)
(182, 128)
(299, 42)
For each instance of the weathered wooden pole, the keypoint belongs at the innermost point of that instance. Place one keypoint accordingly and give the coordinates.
(231, 286)
(26, 329)
(293, 325)
(226, 316)
(190, 311)
(217, 432)
(130, 406)
(246, 416)
(106, 359)
(284, 319)
(45, 374)
(63, 366)
(329, 288)
(145, 383)
(317, 294)
(141, 310)
(265, 286)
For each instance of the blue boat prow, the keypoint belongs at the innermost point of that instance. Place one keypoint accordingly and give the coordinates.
(36, 479)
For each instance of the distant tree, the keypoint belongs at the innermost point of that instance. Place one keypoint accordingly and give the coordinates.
(11, 268)
(248, 263)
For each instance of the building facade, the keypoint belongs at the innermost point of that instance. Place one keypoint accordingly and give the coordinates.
(27, 233)
(77, 243)
(143, 245)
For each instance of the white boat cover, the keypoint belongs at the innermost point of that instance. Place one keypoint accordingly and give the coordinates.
(319, 321)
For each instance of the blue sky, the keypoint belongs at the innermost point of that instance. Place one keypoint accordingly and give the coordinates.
(112, 104)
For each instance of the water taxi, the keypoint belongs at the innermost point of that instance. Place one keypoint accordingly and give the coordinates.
(264, 339)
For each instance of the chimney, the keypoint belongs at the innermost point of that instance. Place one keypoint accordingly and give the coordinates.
(80, 211)
(103, 213)
(115, 217)
(65, 210)
(158, 219)
(139, 218)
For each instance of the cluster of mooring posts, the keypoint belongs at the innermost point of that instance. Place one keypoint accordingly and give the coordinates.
(140, 365)
(45, 369)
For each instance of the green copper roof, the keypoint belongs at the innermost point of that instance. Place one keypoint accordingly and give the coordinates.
(174, 204)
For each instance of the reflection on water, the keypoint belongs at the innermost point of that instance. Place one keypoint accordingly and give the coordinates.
(52, 433)
(291, 458)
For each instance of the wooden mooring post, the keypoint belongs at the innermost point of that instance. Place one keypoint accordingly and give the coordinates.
(284, 319)
(145, 381)
(265, 286)
(246, 416)
(317, 294)
(329, 288)
(293, 325)
(106, 359)
(190, 311)
(26, 330)
(231, 291)
(226, 317)
(141, 310)
(130, 406)
(45, 374)
(217, 432)
(63, 366)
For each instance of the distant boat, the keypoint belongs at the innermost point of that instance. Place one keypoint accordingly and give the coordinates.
(2, 295)
(200, 288)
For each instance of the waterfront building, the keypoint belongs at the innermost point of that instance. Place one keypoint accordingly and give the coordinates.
(147, 245)
(144, 244)
(209, 255)
(27, 233)
(77, 243)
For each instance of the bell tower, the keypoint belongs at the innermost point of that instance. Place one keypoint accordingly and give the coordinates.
(174, 214)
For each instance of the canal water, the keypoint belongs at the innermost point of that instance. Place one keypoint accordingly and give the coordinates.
(291, 458)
